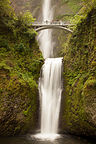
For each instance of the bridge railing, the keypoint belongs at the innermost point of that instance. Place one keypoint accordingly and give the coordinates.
(48, 22)
(43, 23)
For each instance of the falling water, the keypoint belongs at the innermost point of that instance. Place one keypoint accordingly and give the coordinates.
(50, 81)
(50, 95)
(45, 36)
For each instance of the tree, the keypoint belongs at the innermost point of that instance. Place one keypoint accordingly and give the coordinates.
(6, 9)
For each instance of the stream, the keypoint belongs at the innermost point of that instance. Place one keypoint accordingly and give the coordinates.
(64, 139)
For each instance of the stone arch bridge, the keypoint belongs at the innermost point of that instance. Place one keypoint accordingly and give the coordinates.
(49, 25)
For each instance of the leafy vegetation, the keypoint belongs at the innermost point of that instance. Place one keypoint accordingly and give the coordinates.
(20, 64)
(82, 14)
(73, 7)
(80, 75)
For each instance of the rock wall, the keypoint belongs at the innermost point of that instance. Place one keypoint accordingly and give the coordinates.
(34, 6)
(79, 106)
(20, 64)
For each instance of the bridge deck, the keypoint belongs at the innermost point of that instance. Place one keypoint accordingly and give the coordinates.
(51, 25)
(39, 25)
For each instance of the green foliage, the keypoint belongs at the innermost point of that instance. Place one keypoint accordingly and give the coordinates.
(73, 8)
(4, 44)
(30, 79)
(80, 76)
(3, 65)
(30, 33)
(20, 64)
(87, 6)
(26, 111)
(22, 25)
(73, 4)
(65, 1)
(76, 19)
(6, 9)
(89, 2)
(20, 48)
(90, 83)
(19, 26)
(28, 18)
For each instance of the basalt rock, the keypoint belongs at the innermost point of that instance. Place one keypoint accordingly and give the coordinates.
(79, 106)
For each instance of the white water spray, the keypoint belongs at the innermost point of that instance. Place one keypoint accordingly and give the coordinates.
(50, 95)
(49, 82)
(45, 36)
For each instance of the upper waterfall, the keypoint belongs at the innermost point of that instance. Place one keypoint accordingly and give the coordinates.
(45, 37)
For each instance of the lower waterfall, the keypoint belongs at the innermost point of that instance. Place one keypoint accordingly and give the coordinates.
(50, 90)
(50, 95)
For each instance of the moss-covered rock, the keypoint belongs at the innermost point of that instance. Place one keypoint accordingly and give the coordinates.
(16, 97)
(20, 64)
(79, 109)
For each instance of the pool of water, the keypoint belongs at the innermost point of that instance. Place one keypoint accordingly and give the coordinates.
(63, 139)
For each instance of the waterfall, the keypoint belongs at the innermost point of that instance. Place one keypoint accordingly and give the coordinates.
(50, 81)
(50, 90)
(50, 95)
(45, 36)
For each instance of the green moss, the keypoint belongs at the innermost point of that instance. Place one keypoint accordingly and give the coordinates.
(17, 129)
(26, 111)
(20, 64)
(90, 83)
(3, 65)
(80, 77)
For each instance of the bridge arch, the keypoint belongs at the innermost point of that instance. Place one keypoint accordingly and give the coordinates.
(53, 27)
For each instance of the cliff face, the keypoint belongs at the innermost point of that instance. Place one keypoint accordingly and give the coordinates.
(34, 6)
(20, 64)
(64, 10)
(19, 100)
(79, 109)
